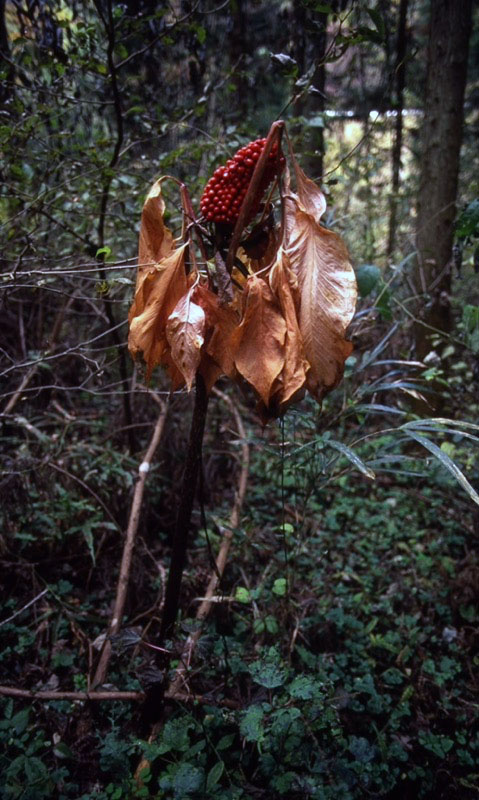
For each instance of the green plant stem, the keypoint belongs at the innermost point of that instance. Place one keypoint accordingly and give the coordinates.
(183, 519)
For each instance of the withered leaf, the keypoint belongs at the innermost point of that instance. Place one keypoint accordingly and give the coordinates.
(258, 342)
(326, 282)
(159, 291)
(156, 240)
(290, 382)
(221, 322)
(185, 330)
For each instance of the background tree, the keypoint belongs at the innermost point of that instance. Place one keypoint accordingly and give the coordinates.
(441, 137)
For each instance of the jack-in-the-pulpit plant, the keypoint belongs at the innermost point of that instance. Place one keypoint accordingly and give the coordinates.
(267, 307)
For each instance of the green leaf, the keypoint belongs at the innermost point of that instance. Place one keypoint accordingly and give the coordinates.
(251, 725)
(269, 671)
(377, 20)
(303, 687)
(439, 745)
(376, 408)
(214, 775)
(468, 222)
(279, 587)
(103, 251)
(242, 595)
(286, 61)
(361, 749)
(187, 780)
(352, 457)
(441, 425)
(447, 462)
(225, 742)
(367, 277)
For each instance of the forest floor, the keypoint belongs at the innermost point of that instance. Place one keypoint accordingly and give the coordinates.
(338, 661)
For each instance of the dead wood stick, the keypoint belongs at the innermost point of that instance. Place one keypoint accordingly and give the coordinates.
(133, 522)
(12, 691)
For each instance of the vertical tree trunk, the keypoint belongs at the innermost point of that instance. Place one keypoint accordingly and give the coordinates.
(304, 30)
(6, 87)
(238, 48)
(398, 83)
(449, 31)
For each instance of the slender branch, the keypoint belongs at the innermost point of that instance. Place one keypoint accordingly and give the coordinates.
(109, 26)
(133, 522)
(24, 608)
(35, 365)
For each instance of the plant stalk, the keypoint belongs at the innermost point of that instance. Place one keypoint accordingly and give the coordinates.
(183, 519)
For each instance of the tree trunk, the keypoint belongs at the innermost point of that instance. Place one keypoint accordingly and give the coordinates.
(398, 83)
(441, 134)
(311, 27)
(237, 52)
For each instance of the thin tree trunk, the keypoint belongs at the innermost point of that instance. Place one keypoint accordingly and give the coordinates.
(237, 51)
(399, 83)
(313, 139)
(449, 32)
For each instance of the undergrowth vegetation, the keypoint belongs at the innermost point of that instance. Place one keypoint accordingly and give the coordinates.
(340, 657)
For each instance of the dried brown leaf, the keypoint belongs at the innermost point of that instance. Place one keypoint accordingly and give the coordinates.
(290, 383)
(258, 342)
(221, 322)
(156, 240)
(326, 282)
(185, 332)
(160, 289)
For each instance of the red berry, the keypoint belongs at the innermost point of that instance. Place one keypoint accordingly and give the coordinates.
(226, 189)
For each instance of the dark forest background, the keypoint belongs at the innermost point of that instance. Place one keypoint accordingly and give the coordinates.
(339, 657)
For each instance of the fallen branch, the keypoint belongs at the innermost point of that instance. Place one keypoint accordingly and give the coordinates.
(180, 697)
(133, 522)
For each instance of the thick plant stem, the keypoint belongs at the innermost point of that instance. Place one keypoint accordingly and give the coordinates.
(183, 519)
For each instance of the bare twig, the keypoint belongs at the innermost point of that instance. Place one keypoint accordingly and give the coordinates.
(30, 603)
(12, 691)
(133, 522)
(35, 365)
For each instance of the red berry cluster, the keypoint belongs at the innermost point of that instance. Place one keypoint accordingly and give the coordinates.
(226, 189)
